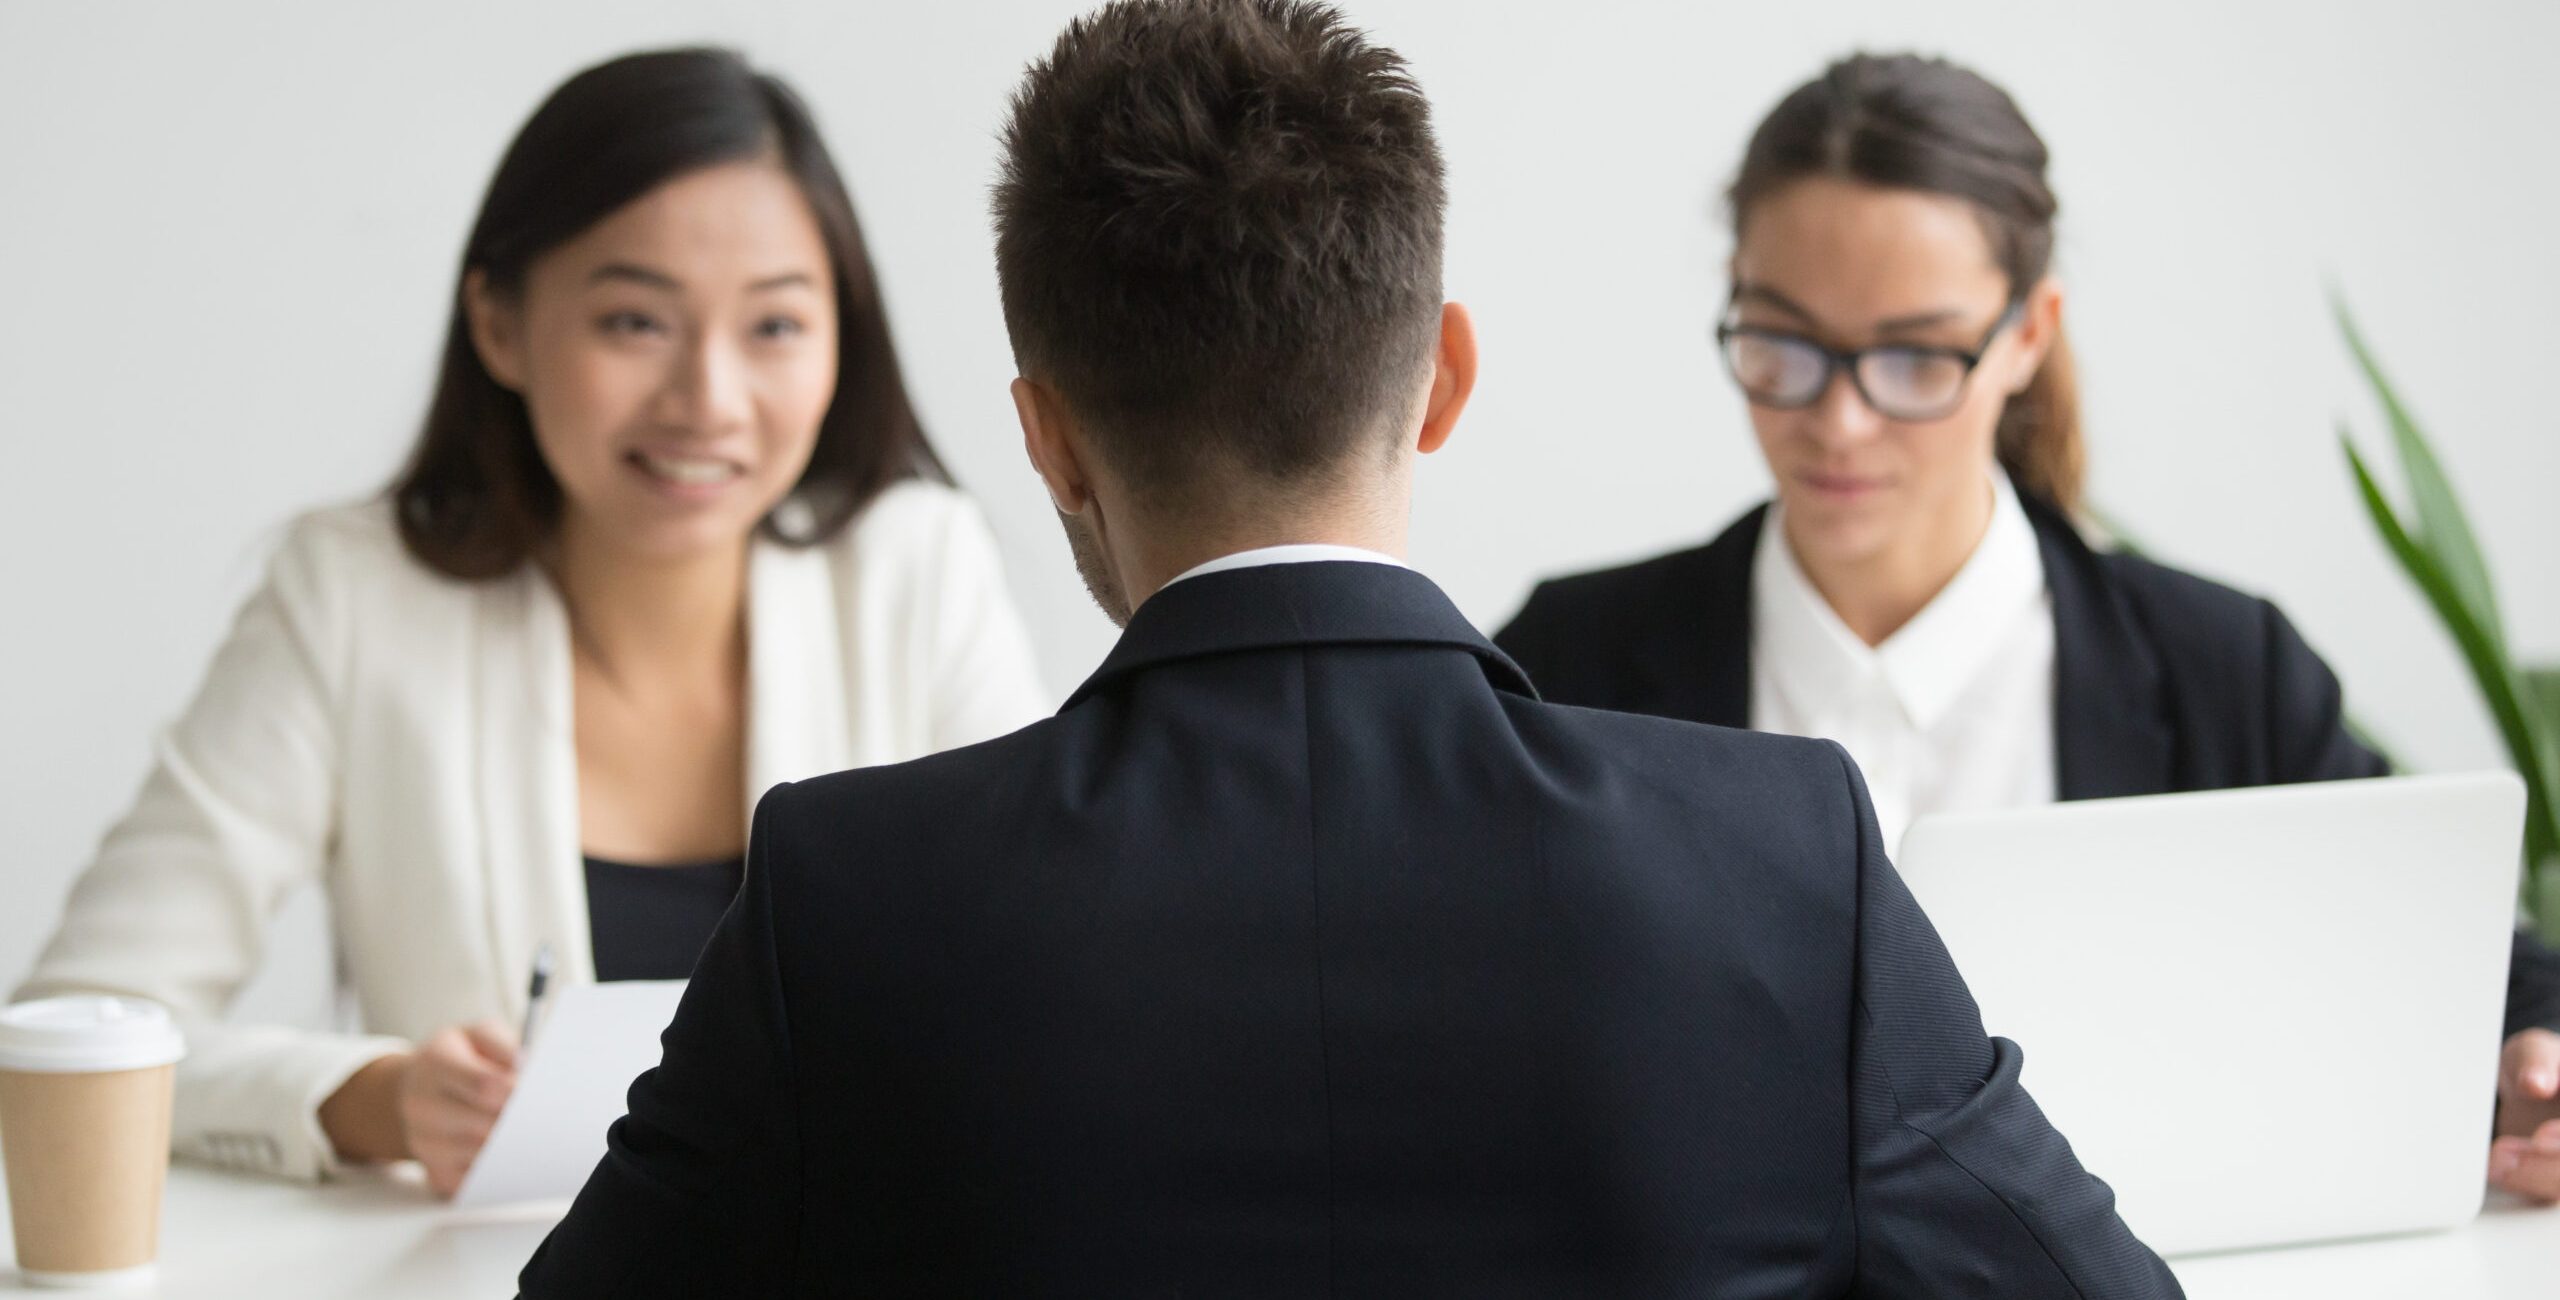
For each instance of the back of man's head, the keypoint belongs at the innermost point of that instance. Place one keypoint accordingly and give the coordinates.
(1218, 232)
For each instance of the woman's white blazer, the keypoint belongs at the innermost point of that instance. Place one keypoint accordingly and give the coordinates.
(404, 740)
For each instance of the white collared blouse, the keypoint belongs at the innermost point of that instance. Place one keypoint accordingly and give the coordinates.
(1954, 712)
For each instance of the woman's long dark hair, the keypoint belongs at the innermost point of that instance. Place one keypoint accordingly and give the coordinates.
(476, 499)
(1913, 123)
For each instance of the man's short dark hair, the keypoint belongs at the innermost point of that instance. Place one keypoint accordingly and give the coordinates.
(1218, 234)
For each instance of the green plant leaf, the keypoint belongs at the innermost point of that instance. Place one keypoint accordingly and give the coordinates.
(2542, 712)
(2542, 682)
(2501, 687)
(2542, 693)
(2442, 529)
(2444, 559)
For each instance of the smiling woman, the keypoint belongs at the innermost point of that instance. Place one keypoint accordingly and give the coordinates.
(671, 534)
(571, 311)
(673, 409)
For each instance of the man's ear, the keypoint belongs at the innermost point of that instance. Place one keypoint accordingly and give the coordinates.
(2039, 325)
(497, 330)
(1048, 439)
(1453, 378)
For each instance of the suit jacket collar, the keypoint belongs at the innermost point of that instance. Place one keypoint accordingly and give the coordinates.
(797, 722)
(1306, 604)
(2110, 705)
(2110, 699)
(1698, 662)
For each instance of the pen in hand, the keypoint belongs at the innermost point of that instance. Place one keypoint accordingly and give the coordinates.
(534, 995)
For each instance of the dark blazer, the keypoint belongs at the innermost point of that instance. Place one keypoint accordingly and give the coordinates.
(2163, 681)
(1305, 952)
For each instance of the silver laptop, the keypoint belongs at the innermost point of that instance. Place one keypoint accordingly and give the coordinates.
(2263, 1016)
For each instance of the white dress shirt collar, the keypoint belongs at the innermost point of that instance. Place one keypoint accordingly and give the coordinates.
(1294, 553)
(1811, 656)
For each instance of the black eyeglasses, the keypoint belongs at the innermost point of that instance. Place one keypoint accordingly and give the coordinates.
(1789, 372)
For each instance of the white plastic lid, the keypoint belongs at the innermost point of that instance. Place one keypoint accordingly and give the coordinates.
(87, 1034)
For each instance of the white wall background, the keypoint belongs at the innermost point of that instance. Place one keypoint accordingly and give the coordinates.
(227, 237)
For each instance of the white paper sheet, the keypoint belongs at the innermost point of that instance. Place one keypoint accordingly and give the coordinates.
(594, 1040)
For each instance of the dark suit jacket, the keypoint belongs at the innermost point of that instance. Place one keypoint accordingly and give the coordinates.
(1306, 953)
(2163, 681)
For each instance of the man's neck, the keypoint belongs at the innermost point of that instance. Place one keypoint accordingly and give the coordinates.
(1157, 555)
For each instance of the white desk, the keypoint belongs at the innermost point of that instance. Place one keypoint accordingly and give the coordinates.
(377, 1235)
(2511, 1251)
(380, 1236)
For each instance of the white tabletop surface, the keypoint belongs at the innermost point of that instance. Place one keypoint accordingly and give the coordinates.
(380, 1235)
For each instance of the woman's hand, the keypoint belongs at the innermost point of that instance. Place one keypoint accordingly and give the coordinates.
(450, 1096)
(2525, 1157)
(435, 1104)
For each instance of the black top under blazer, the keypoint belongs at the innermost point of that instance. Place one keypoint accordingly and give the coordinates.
(2163, 681)
(1305, 952)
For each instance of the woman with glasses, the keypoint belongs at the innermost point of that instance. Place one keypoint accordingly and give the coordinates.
(671, 534)
(1917, 590)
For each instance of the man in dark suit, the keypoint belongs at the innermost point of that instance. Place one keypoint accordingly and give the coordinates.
(1305, 951)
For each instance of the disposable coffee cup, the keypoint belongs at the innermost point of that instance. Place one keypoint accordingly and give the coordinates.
(85, 1088)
